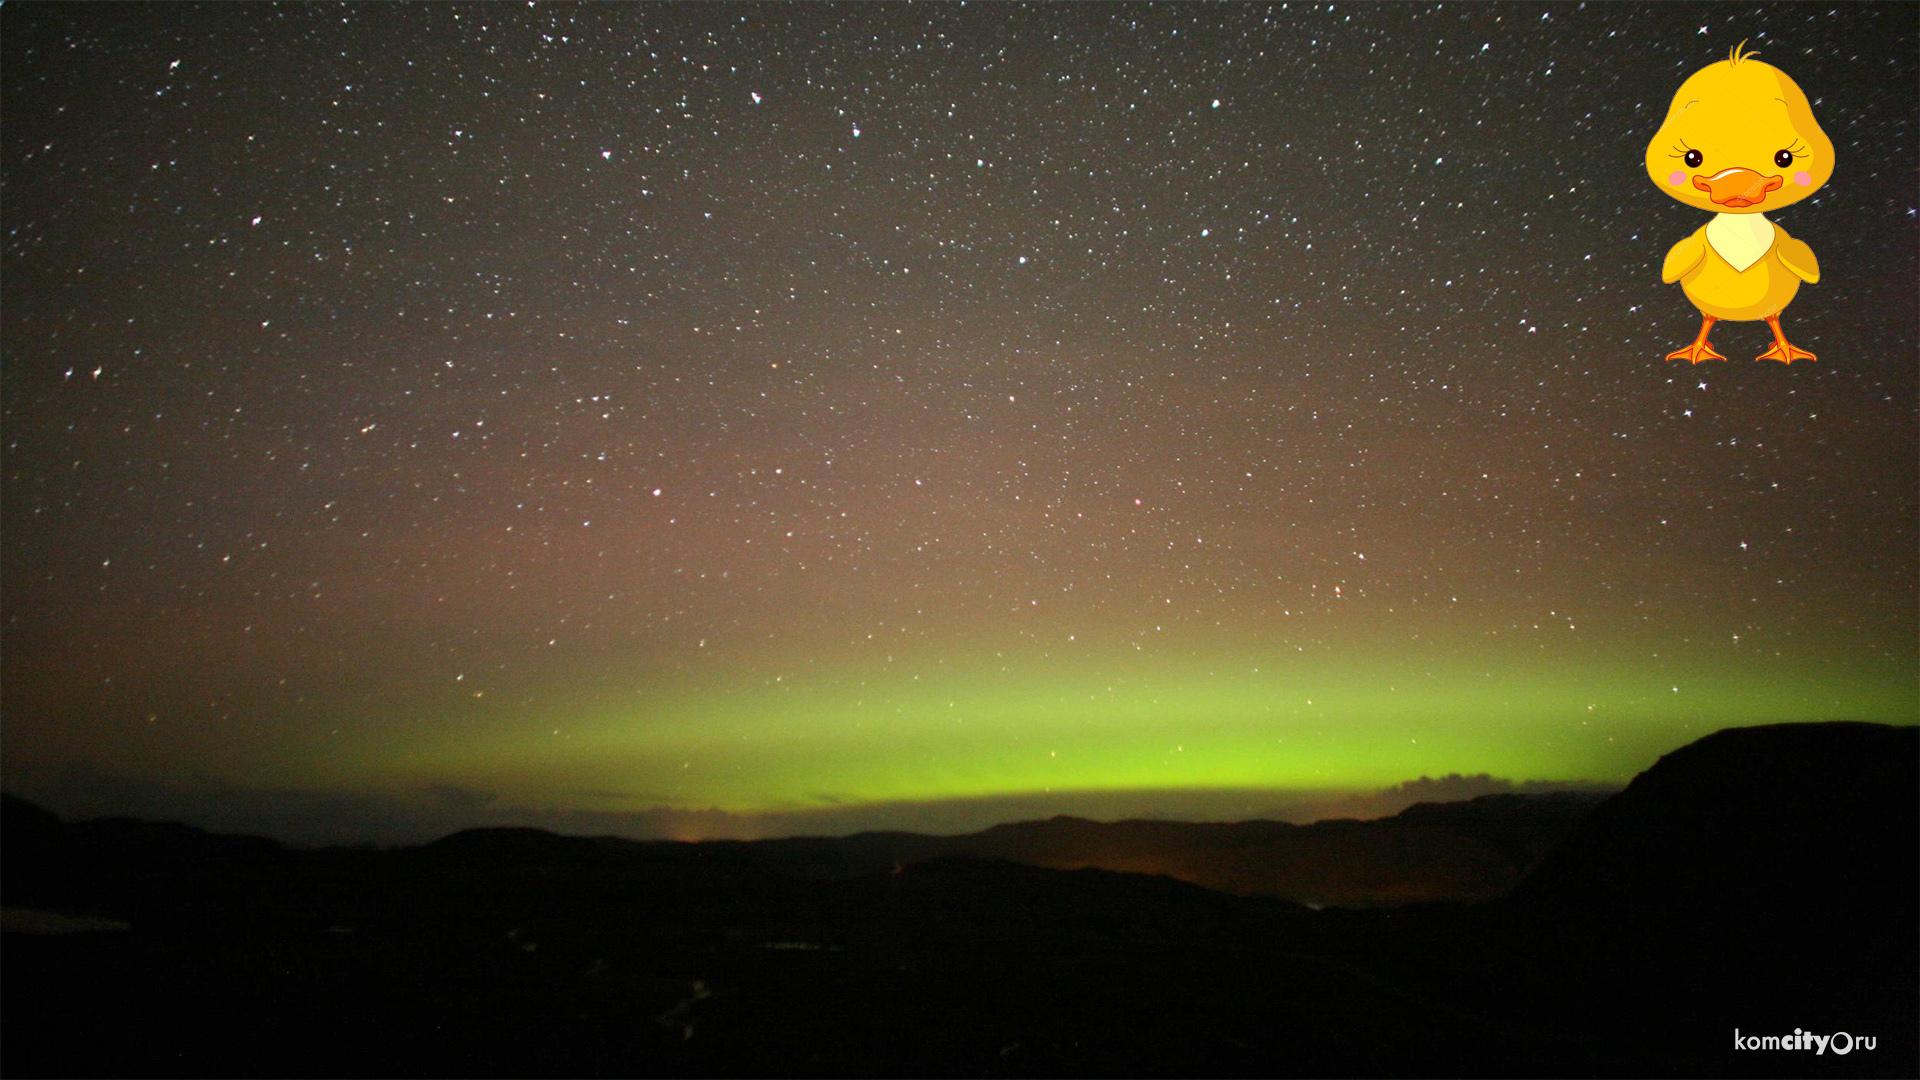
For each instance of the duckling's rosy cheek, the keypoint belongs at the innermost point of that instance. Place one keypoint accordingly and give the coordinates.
(1676, 178)
(1803, 178)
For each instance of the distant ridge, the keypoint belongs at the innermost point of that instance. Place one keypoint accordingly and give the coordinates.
(1468, 851)
(1760, 880)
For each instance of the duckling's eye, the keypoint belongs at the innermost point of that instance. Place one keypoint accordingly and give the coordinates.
(1694, 159)
(1783, 158)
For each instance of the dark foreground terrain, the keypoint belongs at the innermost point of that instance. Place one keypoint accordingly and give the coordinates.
(1762, 879)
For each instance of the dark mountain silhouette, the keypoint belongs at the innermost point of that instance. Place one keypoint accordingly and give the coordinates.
(519, 845)
(1459, 851)
(1743, 823)
(1764, 877)
(1761, 879)
(119, 865)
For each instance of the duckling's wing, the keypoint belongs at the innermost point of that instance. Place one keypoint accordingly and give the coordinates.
(1796, 256)
(1684, 256)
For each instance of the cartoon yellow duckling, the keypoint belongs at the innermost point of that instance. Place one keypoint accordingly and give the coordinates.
(1740, 139)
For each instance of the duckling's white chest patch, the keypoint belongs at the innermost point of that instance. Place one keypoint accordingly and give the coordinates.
(1740, 238)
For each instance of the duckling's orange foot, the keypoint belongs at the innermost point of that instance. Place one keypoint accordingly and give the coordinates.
(1786, 353)
(1782, 351)
(1696, 352)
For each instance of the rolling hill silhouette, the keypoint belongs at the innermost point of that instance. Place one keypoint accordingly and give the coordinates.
(1761, 879)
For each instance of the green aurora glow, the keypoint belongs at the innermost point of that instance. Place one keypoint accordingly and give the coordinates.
(814, 738)
(1211, 398)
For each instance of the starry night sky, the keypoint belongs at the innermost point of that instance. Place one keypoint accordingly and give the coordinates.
(767, 409)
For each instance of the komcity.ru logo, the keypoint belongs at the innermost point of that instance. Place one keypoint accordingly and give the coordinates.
(1839, 1042)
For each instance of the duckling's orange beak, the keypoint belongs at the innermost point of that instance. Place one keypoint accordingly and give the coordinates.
(1737, 187)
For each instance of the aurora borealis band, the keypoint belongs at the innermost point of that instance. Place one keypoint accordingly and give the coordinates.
(767, 408)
